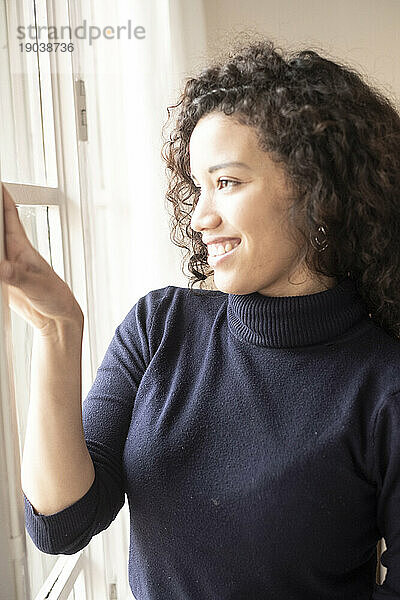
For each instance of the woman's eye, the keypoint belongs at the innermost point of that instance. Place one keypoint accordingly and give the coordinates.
(228, 181)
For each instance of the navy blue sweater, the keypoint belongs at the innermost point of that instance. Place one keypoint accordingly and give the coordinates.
(257, 440)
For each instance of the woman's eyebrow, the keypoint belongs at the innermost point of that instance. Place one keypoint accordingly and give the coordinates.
(223, 165)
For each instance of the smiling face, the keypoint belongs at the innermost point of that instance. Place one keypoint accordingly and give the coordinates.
(246, 202)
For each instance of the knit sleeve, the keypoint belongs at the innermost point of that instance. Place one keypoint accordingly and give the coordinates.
(106, 415)
(387, 472)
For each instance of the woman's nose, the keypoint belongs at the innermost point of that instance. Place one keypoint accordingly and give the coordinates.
(204, 215)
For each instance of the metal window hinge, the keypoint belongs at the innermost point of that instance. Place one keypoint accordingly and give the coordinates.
(112, 591)
(80, 103)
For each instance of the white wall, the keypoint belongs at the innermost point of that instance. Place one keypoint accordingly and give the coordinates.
(362, 32)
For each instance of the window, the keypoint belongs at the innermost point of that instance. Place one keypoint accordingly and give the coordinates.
(41, 167)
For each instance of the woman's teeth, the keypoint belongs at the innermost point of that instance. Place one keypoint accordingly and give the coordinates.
(218, 249)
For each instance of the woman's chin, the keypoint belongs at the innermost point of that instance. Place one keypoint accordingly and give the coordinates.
(232, 285)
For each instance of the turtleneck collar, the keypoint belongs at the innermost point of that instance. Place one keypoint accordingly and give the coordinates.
(290, 321)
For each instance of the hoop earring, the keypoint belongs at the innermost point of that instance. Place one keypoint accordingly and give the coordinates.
(319, 244)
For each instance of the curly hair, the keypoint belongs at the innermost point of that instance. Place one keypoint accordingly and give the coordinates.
(338, 140)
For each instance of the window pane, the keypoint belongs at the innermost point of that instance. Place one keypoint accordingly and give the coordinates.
(78, 592)
(27, 143)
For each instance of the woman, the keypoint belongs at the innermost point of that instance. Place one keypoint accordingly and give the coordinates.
(255, 428)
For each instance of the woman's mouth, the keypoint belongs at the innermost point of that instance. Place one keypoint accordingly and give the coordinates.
(219, 252)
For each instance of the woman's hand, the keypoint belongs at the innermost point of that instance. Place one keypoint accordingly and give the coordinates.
(35, 291)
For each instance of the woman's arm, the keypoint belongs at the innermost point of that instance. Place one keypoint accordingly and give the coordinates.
(57, 469)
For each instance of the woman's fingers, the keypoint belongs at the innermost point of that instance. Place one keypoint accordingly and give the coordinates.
(14, 233)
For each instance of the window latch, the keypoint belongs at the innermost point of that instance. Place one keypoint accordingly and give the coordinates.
(80, 103)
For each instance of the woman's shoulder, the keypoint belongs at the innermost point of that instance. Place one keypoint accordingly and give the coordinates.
(379, 352)
(174, 293)
(172, 303)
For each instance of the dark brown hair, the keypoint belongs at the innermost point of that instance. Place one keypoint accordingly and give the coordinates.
(338, 139)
